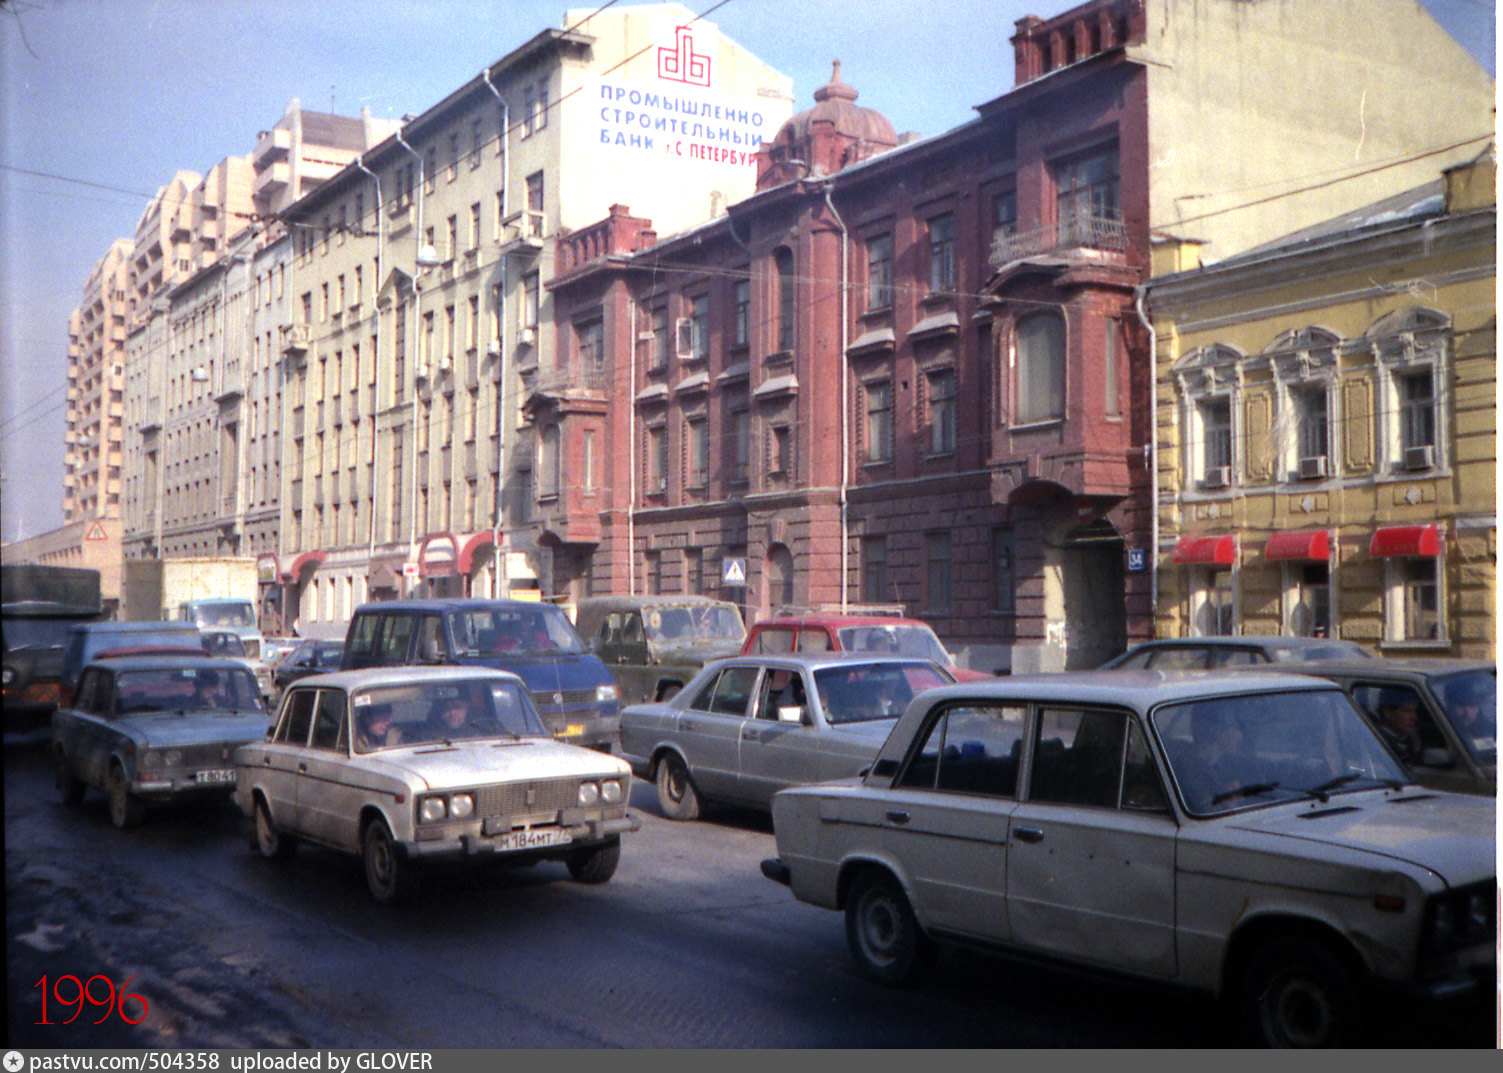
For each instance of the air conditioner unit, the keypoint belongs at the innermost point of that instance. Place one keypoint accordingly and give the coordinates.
(493, 349)
(527, 337)
(1419, 457)
(445, 364)
(1216, 477)
(420, 373)
(1312, 468)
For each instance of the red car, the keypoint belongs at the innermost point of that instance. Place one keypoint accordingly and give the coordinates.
(861, 634)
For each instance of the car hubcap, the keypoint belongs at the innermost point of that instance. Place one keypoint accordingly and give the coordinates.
(1300, 1013)
(879, 928)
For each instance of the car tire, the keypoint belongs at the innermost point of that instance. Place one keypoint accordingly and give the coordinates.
(267, 838)
(126, 808)
(596, 864)
(885, 939)
(1300, 993)
(677, 796)
(69, 787)
(386, 874)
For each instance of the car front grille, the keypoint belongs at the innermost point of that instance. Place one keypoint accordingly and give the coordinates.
(216, 755)
(568, 700)
(526, 797)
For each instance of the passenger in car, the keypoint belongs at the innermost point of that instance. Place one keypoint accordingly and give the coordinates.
(1398, 721)
(1214, 768)
(374, 729)
(450, 719)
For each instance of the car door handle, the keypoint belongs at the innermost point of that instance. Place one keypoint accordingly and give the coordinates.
(1028, 834)
(897, 816)
(304, 767)
(750, 735)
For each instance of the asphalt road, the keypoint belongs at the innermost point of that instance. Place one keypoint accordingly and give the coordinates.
(688, 946)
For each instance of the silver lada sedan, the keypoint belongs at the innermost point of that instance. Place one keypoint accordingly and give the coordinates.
(413, 765)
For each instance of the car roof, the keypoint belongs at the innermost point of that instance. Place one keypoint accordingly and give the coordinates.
(1408, 667)
(1140, 689)
(401, 675)
(135, 627)
(816, 661)
(836, 620)
(630, 602)
(167, 663)
(457, 603)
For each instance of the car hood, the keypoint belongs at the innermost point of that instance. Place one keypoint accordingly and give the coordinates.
(1449, 834)
(700, 650)
(871, 732)
(159, 730)
(449, 767)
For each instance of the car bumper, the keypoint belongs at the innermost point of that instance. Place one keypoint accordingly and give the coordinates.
(588, 729)
(161, 787)
(774, 869)
(579, 835)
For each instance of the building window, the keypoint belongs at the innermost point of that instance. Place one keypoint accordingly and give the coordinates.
(696, 345)
(1003, 578)
(1307, 589)
(1416, 410)
(1215, 416)
(529, 109)
(699, 453)
(942, 412)
(1212, 614)
(660, 338)
(787, 296)
(1111, 381)
(535, 205)
(548, 463)
(590, 339)
(879, 272)
(657, 461)
(1086, 199)
(1413, 599)
(1311, 416)
(740, 444)
(453, 155)
(879, 422)
(530, 301)
(1005, 214)
(741, 320)
(937, 557)
(942, 254)
(874, 569)
(1041, 368)
(587, 462)
(475, 226)
(476, 140)
(780, 451)
(542, 120)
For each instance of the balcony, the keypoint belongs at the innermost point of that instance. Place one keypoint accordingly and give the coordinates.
(296, 338)
(1072, 238)
(522, 231)
(271, 145)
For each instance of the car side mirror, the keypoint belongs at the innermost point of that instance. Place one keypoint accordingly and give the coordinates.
(1436, 757)
(793, 713)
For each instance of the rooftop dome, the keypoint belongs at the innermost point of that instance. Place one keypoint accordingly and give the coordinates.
(859, 132)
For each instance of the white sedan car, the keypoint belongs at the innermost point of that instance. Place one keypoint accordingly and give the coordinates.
(407, 766)
(1248, 836)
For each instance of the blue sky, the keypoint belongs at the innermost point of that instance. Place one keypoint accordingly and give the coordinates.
(101, 101)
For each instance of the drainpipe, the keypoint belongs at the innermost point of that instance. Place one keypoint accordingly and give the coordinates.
(1151, 456)
(845, 377)
(410, 455)
(376, 357)
(496, 558)
(631, 453)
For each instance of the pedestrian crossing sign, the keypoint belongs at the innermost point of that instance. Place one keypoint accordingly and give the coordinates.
(733, 572)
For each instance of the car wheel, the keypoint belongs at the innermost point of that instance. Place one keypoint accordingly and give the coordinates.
(69, 788)
(676, 794)
(884, 937)
(388, 877)
(267, 838)
(125, 807)
(596, 864)
(1299, 993)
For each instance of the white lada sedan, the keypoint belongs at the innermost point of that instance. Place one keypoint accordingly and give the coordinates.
(1247, 835)
(407, 766)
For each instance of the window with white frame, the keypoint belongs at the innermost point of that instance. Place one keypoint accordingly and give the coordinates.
(879, 272)
(1040, 392)
(697, 345)
(1206, 378)
(1410, 349)
(1412, 599)
(1215, 421)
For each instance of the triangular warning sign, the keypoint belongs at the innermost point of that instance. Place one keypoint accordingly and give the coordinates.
(95, 532)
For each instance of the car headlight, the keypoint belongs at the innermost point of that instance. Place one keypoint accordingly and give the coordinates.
(607, 693)
(148, 759)
(431, 810)
(589, 793)
(610, 791)
(461, 806)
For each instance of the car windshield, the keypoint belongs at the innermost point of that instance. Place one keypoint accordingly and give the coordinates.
(678, 625)
(207, 616)
(867, 691)
(1470, 701)
(1230, 753)
(905, 640)
(1306, 653)
(485, 631)
(184, 689)
(326, 657)
(36, 633)
(443, 712)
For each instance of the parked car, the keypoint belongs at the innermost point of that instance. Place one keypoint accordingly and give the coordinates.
(859, 634)
(654, 644)
(1199, 653)
(155, 728)
(308, 658)
(1243, 835)
(574, 693)
(86, 641)
(1440, 716)
(411, 766)
(747, 726)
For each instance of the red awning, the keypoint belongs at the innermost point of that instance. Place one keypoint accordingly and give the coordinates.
(1406, 540)
(466, 561)
(1206, 551)
(294, 571)
(1303, 545)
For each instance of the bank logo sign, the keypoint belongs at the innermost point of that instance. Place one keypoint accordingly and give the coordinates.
(677, 114)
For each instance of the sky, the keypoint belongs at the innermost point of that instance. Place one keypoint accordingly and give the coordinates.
(101, 101)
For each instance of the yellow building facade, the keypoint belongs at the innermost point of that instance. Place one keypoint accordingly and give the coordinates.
(1326, 428)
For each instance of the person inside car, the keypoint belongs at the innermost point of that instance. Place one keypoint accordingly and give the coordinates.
(374, 729)
(1472, 716)
(1398, 722)
(450, 720)
(211, 691)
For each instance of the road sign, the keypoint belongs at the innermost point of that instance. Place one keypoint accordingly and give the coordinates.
(95, 532)
(733, 572)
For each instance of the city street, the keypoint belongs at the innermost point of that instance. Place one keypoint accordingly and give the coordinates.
(688, 946)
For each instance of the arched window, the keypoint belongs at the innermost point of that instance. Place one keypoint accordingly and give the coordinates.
(1041, 368)
(783, 260)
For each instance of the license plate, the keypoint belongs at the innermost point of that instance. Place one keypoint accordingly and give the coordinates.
(551, 836)
(216, 775)
(573, 730)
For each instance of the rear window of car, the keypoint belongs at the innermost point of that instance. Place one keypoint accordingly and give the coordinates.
(776, 640)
